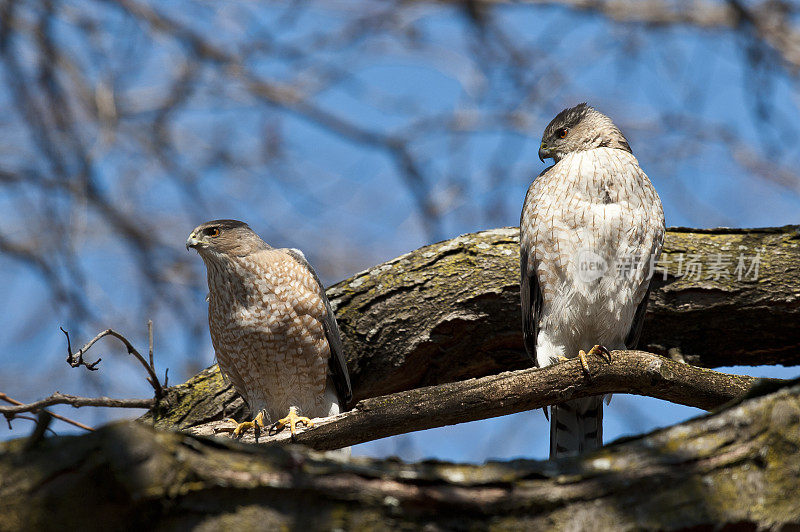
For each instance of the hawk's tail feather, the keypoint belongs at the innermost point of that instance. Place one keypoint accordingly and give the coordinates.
(576, 426)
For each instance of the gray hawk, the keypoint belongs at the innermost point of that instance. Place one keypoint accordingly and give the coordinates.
(272, 327)
(592, 227)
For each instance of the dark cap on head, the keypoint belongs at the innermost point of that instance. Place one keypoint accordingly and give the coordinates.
(579, 128)
(221, 237)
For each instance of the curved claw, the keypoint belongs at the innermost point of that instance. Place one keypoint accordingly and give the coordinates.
(599, 350)
(292, 420)
(602, 351)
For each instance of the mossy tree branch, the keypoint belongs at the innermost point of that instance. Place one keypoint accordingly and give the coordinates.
(736, 467)
(450, 311)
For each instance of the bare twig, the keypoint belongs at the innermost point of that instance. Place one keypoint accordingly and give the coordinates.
(6, 398)
(75, 360)
(150, 343)
(73, 400)
(635, 372)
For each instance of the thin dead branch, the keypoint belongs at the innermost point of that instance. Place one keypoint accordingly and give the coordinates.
(150, 343)
(77, 402)
(9, 417)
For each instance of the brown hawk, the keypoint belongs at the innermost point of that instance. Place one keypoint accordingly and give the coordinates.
(592, 227)
(272, 327)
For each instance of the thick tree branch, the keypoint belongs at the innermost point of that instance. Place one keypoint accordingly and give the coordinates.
(450, 311)
(634, 372)
(736, 467)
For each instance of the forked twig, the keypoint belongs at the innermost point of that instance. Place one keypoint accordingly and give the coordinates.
(76, 359)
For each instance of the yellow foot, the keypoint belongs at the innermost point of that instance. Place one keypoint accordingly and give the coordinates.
(292, 420)
(596, 350)
(257, 424)
(584, 363)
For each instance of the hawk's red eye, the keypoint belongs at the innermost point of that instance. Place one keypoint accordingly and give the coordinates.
(212, 232)
(561, 133)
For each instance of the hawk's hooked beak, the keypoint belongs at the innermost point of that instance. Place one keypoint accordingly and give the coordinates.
(192, 242)
(544, 152)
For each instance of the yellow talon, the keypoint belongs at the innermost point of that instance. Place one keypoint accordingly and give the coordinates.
(217, 430)
(292, 420)
(256, 425)
(599, 350)
(584, 363)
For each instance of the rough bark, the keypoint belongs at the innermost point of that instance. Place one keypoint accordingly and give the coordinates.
(736, 468)
(450, 311)
(515, 391)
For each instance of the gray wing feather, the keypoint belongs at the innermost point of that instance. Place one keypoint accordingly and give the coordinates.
(336, 362)
(657, 218)
(531, 305)
(632, 339)
(530, 292)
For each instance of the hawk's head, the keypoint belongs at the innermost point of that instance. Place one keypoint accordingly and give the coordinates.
(580, 128)
(222, 238)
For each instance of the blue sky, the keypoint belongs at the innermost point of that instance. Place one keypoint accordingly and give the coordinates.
(345, 203)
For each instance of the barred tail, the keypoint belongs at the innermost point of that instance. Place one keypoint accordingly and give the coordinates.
(576, 427)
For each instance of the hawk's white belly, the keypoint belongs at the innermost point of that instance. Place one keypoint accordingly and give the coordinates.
(596, 225)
